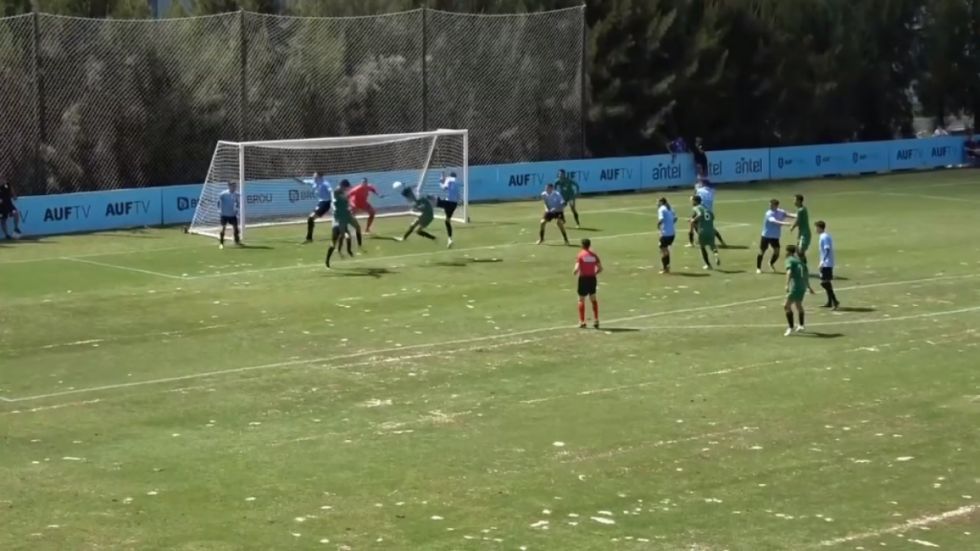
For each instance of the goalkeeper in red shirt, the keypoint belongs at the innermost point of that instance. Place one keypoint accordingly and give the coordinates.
(587, 267)
(359, 201)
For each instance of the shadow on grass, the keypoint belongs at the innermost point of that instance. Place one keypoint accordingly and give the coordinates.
(836, 278)
(376, 273)
(691, 274)
(464, 262)
(734, 247)
(729, 272)
(32, 239)
(383, 238)
(618, 330)
(583, 229)
(256, 247)
(857, 309)
(819, 335)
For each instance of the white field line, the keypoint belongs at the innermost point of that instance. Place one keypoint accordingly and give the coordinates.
(470, 340)
(905, 526)
(118, 267)
(5, 399)
(380, 259)
(658, 444)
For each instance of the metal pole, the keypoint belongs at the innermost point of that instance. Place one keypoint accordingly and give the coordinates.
(425, 67)
(243, 92)
(585, 88)
(42, 135)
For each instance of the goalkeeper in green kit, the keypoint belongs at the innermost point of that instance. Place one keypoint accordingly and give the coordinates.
(568, 189)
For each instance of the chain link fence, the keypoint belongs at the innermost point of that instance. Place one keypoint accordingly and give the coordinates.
(94, 104)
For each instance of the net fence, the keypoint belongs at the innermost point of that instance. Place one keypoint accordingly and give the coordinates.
(94, 104)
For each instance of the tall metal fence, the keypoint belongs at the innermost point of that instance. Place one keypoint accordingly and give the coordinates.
(91, 104)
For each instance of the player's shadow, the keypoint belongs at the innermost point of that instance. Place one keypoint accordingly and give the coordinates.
(691, 274)
(256, 247)
(584, 229)
(464, 262)
(376, 273)
(836, 278)
(729, 272)
(384, 238)
(819, 335)
(734, 247)
(618, 330)
(857, 309)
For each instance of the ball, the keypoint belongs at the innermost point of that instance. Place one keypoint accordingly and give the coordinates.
(396, 186)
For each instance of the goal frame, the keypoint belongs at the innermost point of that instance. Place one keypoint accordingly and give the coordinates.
(363, 140)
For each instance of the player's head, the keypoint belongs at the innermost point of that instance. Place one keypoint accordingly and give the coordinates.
(318, 177)
(452, 174)
(790, 250)
(408, 193)
(695, 200)
(821, 226)
(799, 200)
(586, 243)
(344, 184)
(232, 185)
(698, 142)
(561, 173)
(774, 204)
(662, 202)
(364, 180)
(549, 187)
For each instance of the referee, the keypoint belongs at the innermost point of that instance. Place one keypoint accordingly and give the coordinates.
(448, 205)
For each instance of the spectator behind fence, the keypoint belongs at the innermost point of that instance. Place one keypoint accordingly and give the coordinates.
(971, 150)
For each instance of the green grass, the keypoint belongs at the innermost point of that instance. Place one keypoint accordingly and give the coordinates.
(161, 394)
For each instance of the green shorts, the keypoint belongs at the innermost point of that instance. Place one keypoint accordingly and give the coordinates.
(796, 295)
(804, 243)
(424, 220)
(706, 239)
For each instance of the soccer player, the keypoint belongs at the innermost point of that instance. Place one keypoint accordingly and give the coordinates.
(351, 219)
(424, 207)
(796, 288)
(666, 223)
(704, 221)
(802, 227)
(772, 227)
(359, 196)
(700, 158)
(826, 244)
(587, 268)
(228, 203)
(706, 192)
(324, 193)
(448, 205)
(9, 210)
(569, 191)
(342, 218)
(554, 209)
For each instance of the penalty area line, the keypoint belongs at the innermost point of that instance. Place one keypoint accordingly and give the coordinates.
(471, 340)
(119, 267)
(919, 522)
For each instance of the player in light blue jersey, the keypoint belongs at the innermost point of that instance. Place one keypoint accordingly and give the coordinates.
(228, 204)
(827, 261)
(772, 227)
(667, 224)
(453, 192)
(554, 209)
(706, 192)
(324, 194)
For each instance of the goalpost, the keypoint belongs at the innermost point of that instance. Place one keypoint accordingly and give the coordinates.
(275, 177)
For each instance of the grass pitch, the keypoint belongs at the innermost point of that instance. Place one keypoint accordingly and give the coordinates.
(158, 393)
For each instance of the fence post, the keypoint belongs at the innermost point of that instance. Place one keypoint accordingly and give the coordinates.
(425, 66)
(243, 91)
(42, 135)
(585, 87)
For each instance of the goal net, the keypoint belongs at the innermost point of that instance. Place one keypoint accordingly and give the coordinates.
(275, 178)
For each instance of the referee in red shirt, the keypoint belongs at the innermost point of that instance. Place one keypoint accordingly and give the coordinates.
(587, 267)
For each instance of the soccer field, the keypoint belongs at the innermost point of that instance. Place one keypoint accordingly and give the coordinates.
(157, 393)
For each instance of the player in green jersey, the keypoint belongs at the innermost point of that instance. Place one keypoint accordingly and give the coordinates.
(342, 221)
(569, 190)
(423, 206)
(802, 226)
(703, 222)
(797, 285)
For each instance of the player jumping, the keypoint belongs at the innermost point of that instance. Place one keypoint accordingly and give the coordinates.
(772, 227)
(448, 205)
(228, 203)
(359, 196)
(666, 221)
(706, 192)
(423, 206)
(587, 268)
(342, 219)
(569, 191)
(704, 222)
(554, 209)
(9, 210)
(796, 288)
(321, 187)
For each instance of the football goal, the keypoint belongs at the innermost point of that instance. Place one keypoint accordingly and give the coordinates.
(275, 178)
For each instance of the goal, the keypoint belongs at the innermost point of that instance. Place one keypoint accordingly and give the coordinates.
(275, 177)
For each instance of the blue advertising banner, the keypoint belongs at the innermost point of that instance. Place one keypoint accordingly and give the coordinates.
(178, 203)
(85, 212)
(665, 171)
(527, 180)
(810, 161)
(738, 165)
(925, 153)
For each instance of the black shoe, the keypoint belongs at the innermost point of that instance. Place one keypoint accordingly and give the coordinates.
(836, 305)
(596, 324)
(582, 325)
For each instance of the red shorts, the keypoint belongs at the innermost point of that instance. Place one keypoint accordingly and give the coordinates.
(361, 206)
